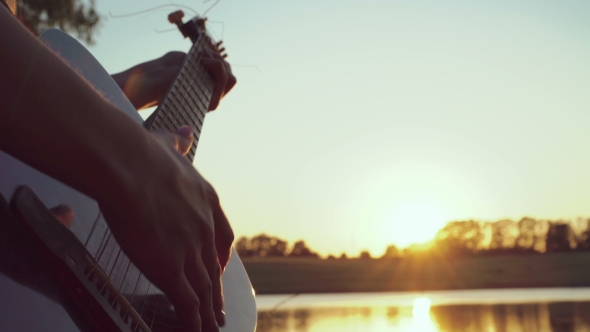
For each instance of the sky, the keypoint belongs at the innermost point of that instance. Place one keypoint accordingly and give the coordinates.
(358, 124)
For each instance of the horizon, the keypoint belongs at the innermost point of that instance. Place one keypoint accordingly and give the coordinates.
(379, 122)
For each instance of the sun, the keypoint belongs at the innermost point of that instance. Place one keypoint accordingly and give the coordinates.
(415, 222)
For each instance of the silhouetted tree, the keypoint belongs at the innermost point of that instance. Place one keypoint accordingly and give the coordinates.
(526, 233)
(391, 252)
(343, 256)
(504, 234)
(242, 246)
(584, 240)
(459, 238)
(74, 16)
(268, 246)
(365, 254)
(261, 245)
(278, 248)
(560, 237)
(300, 249)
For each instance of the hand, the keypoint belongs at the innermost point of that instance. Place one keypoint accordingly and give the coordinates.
(220, 72)
(160, 209)
(178, 214)
(182, 140)
(147, 83)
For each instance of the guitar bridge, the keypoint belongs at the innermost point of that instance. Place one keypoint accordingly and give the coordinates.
(100, 302)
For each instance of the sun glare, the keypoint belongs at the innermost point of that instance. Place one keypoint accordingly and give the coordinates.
(421, 306)
(415, 223)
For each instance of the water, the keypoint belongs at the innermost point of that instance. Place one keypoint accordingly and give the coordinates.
(499, 310)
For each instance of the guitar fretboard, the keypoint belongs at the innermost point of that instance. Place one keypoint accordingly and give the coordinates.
(187, 100)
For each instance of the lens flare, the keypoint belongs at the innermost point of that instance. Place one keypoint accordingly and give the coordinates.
(421, 307)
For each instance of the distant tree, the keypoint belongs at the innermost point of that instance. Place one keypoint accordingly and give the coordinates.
(391, 252)
(365, 254)
(343, 256)
(73, 16)
(242, 246)
(278, 248)
(300, 249)
(504, 234)
(263, 245)
(331, 257)
(541, 229)
(460, 238)
(526, 233)
(560, 237)
(584, 239)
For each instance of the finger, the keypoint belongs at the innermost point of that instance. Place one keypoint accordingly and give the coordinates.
(186, 304)
(231, 79)
(211, 262)
(181, 140)
(224, 236)
(185, 139)
(216, 69)
(63, 213)
(198, 277)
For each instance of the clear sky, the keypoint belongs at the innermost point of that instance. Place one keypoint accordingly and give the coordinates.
(376, 122)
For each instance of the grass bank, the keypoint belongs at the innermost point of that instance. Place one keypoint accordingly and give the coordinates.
(298, 275)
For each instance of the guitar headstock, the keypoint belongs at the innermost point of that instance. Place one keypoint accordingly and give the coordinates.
(195, 29)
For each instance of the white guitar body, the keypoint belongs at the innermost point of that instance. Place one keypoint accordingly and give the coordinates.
(24, 309)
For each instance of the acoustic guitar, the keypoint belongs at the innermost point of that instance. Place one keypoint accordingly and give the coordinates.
(54, 278)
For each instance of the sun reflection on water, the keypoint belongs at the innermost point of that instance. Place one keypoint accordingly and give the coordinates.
(422, 314)
(414, 318)
(422, 320)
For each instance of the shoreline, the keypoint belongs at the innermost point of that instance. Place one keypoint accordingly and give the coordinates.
(436, 298)
(317, 276)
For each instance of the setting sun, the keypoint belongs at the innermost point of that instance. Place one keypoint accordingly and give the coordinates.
(415, 222)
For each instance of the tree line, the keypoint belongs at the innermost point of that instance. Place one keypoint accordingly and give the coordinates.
(263, 245)
(528, 235)
(456, 239)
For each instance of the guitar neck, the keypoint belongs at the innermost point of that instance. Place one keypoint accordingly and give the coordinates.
(188, 98)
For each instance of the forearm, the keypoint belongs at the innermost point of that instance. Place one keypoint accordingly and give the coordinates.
(53, 120)
(146, 84)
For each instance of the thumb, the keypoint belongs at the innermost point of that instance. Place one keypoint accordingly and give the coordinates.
(184, 139)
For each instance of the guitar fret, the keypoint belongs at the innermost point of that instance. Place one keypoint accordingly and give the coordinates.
(187, 100)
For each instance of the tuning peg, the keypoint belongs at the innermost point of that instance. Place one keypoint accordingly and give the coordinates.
(176, 18)
(201, 22)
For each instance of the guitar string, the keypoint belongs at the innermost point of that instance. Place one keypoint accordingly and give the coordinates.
(211, 7)
(151, 10)
(112, 252)
(170, 126)
(133, 294)
(194, 55)
(144, 301)
(94, 224)
(111, 272)
(104, 236)
(97, 260)
(155, 311)
(122, 281)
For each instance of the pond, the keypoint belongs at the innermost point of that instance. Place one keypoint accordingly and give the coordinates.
(490, 310)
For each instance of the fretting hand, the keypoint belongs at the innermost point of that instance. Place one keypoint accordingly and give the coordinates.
(146, 84)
